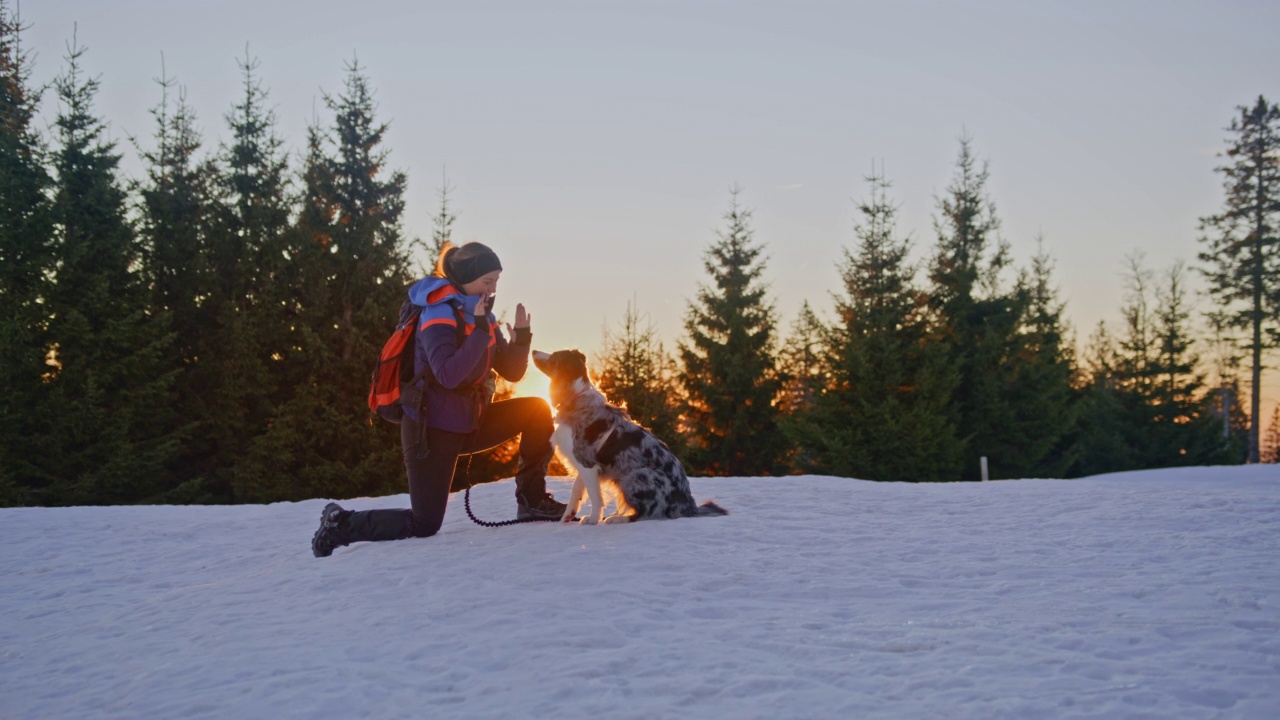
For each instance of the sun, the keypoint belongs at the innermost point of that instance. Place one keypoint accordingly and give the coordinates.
(534, 384)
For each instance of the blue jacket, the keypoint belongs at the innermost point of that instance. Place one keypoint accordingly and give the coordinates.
(461, 391)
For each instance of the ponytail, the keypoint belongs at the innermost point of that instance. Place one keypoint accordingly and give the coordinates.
(442, 263)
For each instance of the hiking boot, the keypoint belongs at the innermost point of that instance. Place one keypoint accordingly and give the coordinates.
(331, 533)
(541, 508)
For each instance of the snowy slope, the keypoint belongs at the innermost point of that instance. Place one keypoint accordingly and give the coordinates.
(1141, 595)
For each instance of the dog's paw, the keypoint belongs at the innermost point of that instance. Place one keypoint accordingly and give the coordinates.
(616, 519)
(568, 517)
(589, 519)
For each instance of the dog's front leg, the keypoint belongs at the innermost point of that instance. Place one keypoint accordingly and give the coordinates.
(591, 478)
(575, 499)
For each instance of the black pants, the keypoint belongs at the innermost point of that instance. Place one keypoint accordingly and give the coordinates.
(431, 472)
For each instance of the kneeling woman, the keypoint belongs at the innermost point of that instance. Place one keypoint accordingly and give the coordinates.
(458, 416)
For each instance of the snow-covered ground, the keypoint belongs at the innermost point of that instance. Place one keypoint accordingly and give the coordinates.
(1141, 595)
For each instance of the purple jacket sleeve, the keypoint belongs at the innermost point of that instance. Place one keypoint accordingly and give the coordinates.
(509, 359)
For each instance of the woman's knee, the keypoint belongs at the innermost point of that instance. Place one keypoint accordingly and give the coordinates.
(426, 527)
(540, 412)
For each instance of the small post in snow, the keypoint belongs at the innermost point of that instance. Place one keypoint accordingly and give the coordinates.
(983, 463)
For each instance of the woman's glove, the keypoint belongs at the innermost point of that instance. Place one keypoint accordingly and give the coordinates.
(479, 306)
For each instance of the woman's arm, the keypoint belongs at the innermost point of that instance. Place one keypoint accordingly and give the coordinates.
(451, 363)
(511, 359)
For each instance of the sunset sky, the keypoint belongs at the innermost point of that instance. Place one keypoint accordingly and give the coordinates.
(593, 144)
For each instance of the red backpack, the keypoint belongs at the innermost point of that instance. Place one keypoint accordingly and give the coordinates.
(393, 379)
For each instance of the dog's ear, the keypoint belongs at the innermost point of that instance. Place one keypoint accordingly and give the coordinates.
(579, 361)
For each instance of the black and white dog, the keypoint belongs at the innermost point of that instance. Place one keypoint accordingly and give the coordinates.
(604, 445)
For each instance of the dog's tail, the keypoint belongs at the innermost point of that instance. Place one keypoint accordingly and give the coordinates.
(710, 509)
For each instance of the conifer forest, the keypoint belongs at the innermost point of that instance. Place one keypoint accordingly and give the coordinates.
(204, 332)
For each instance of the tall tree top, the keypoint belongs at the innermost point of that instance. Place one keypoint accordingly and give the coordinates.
(970, 253)
(255, 158)
(735, 265)
(90, 203)
(81, 132)
(442, 230)
(18, 100)
(877, 277)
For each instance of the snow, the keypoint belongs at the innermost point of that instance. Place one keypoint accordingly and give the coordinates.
(1139, 595)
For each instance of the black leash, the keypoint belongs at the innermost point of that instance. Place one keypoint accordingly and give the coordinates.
(466, 502)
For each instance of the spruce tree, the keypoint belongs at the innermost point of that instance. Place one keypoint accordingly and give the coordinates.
(26, 265)
(108, 427)
(253, 309)
(1013, 396)
(1271, 441)
(804, 361)
(442, 223)
(884, 414)
(1242, 254)
(975, 318)
(1044, 400)
(351, 273)
(1186, 429)
(1147, 389)
(728, 371)
(635, 371)
(174, 216)
(1106, 440)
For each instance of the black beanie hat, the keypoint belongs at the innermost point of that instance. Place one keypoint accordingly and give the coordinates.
(467, 263)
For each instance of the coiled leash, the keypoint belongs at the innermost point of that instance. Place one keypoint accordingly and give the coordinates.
(466, 502)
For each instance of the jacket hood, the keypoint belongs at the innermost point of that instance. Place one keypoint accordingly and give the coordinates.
(434, 291)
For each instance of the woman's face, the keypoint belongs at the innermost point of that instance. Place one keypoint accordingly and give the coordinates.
(485, 285)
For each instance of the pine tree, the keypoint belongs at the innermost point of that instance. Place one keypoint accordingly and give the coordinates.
(1105, 439)
(1013, 396)
(975, 320)
(805, 368)
(804, 361)
(1242, 257)
(26, 264)
(728, 368)
(884, 414)
(108, 424)
(174, 216)
(635, 371)
(351, 273)
(442, 223)
(1189, 432)
(1271, 441)
(252, 338)
(1044, 401)
(1224, 364)
(1156, 405)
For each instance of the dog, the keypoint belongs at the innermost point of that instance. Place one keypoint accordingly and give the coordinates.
(604, 445)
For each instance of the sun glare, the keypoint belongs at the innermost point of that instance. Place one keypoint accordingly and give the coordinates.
(534, 384)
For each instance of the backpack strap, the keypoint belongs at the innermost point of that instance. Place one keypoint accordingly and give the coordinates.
(410, 393)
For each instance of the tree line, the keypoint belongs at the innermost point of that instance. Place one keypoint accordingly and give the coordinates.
(925, 371)
(204, 333)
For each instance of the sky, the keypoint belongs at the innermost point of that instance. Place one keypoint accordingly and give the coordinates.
(593, 145)
(1129, 597)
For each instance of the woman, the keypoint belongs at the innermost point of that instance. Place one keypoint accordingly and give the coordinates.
(457, 416)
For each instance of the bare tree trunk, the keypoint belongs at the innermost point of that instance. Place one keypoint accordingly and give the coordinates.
(1255, 395)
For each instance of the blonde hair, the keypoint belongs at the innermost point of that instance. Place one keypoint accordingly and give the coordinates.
(446, 250)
